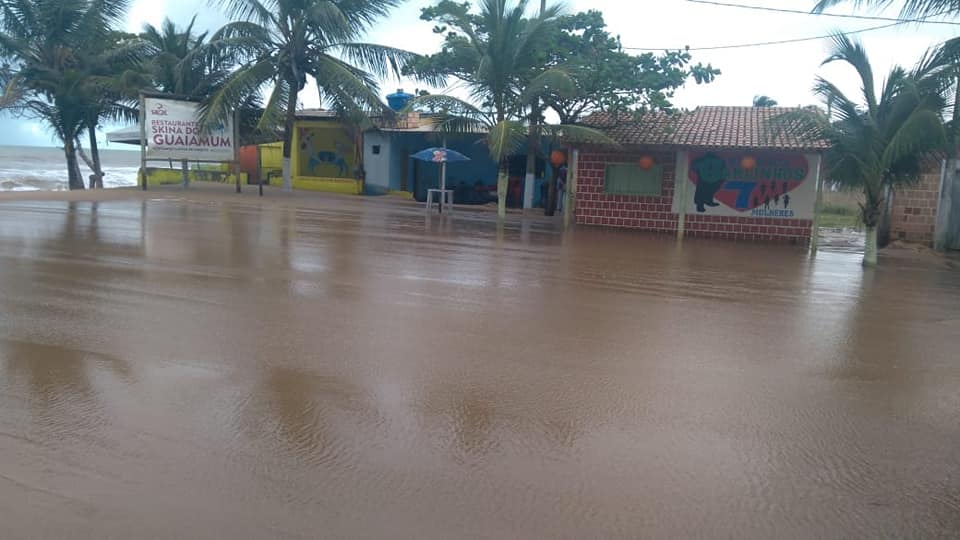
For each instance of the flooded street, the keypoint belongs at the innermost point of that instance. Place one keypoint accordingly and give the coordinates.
(194, 369)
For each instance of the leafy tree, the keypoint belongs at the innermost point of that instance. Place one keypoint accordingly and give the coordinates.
(880, 141)
(54, 52)
(285, 42)
(494, 54)
(764, 101)
(606, 77)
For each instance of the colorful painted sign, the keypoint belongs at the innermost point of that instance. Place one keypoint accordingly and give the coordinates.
(173, 132)
(326, 152)
(760, 185)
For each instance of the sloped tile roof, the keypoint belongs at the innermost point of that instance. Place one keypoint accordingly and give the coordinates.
(706, 127)
(652, 129)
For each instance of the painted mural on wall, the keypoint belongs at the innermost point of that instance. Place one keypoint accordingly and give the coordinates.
(760, 185)
(326, 152)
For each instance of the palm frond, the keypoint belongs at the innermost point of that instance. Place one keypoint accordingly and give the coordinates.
(853, 53)
(505, 139)
(246, 81)
(921, 133)
(261, 11)
(551, 82)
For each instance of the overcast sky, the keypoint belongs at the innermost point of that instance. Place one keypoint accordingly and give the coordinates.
(784, 72)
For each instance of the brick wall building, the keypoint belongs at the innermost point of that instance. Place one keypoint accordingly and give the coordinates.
(913, 214)
(647, 212)
(766, 187)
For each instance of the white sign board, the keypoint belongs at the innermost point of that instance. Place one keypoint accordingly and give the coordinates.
(779, 185)
(173, 132)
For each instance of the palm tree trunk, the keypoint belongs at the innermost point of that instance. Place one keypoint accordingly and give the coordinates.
(870, 249)
(870, 212)
(502, 184)
(97, 180)
(74, 181)
(288, 127)
(534, 141)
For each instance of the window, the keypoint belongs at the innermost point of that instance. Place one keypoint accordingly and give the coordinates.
(376, 149)
(630, 179)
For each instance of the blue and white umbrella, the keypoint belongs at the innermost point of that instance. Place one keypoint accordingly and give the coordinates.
(439, 155)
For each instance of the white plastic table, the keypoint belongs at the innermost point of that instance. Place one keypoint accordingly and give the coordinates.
(445, 197)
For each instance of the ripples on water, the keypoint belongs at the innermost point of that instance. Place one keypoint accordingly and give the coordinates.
(173, 369)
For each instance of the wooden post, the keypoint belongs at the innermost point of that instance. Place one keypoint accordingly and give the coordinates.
(185, 170)
(259, 171)
(143, 140)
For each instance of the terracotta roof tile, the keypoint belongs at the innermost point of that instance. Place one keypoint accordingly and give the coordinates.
(654, 129)
(706, 127)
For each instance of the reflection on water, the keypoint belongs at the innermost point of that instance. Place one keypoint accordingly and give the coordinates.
(351, 369)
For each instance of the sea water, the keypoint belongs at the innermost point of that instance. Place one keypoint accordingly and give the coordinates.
(33, 168)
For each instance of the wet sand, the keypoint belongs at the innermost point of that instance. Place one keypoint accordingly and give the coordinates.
(204, 367)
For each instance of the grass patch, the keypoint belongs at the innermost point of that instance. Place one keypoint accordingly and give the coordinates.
(839, 221)
(839, 209)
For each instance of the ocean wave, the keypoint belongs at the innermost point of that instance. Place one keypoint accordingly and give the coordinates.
(56, 179)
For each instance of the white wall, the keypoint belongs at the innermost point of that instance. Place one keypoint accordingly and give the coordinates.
(377, 166)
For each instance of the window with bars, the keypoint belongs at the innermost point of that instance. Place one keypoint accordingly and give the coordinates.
(630, 179)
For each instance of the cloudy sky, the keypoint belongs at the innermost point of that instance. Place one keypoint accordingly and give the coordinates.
(784, 72)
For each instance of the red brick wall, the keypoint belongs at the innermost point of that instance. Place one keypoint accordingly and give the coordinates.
(630, 211)
(655, 213)
(914, 213)
(791, 231)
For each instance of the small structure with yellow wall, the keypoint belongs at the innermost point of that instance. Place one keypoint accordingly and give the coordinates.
(324, 155)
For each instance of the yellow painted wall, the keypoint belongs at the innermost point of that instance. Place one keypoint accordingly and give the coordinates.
(162, 177)
(328, 185)
(324, 150)
(271, 156)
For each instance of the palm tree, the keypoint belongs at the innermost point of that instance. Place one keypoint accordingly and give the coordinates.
(49, 46)
(912, 9)
(880, 142)
(184, 63)
(114, 78)
(493, 53)
(764, 101)
(285, 42)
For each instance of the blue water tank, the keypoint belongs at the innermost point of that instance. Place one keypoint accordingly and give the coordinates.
(399, 100)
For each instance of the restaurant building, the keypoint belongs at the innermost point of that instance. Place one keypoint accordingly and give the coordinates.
(716, 172)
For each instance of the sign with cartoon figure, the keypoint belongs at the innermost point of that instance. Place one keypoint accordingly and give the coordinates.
(326, 152)
(751, 184)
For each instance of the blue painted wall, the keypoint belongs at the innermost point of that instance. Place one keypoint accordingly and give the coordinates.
(386, 170)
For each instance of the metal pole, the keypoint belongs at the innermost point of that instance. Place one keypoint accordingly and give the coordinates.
(143, 141)
(259, 171)
(185, 169)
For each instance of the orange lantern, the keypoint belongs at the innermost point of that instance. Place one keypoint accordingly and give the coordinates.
(646, 162)
(557, 158)
(748, 163)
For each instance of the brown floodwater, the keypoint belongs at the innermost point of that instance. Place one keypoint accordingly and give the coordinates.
(193, 369)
